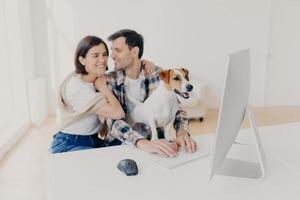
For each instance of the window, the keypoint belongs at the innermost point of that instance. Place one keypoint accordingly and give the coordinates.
(5, 83)
(13, 104)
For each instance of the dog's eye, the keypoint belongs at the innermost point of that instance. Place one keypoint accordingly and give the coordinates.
(176, 78)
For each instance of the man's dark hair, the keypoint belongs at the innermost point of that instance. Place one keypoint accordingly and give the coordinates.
(83, 47)
(132, 39)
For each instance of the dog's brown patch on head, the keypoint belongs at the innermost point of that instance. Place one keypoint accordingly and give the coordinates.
(165, 76)
(186, 73)
(175, 79)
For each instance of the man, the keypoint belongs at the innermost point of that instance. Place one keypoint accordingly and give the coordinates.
(129, 78)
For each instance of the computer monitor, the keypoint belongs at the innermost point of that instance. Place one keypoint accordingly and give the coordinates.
(234, 106)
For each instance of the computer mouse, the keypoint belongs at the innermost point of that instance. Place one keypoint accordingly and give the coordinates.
(128, 167)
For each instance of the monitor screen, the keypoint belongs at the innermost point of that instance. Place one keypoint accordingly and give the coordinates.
(233, 106)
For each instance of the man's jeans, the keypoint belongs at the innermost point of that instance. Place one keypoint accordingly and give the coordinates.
(64, 142)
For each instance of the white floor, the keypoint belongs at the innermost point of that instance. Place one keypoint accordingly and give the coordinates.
(23, 169)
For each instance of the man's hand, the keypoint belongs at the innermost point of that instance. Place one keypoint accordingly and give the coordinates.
(160, 147)
(184, 141)
(149, 67)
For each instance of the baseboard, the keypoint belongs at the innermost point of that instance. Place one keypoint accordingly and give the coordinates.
(10, 136)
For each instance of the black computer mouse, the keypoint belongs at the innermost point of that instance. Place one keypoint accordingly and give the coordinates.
(128, 167)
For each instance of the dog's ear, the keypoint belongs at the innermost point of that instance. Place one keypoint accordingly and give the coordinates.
(165, 76)
(186, 73)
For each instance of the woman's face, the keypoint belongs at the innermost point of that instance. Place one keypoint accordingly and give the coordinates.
(95, 61)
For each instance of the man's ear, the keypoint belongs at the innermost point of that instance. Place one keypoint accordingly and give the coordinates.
(81, 60)
(135, 51)
(186, 73)
(165, 76)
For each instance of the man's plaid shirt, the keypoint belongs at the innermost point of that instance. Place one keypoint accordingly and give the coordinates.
(119, 128)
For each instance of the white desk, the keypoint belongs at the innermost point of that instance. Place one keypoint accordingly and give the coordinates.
(283, 142)
(92, 174)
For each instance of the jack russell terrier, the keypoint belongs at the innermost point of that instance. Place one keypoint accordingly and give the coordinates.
(160, 108)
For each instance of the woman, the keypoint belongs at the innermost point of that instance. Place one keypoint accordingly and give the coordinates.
(82, 107)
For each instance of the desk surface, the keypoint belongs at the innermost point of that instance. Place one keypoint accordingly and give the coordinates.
(92, 174)
(282, 141)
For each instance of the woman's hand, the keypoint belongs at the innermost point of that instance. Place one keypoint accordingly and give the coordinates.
(101, 84)
(149, 67)
(112, 108)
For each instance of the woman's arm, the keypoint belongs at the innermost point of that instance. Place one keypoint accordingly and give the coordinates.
(149, 67)
(111, 109)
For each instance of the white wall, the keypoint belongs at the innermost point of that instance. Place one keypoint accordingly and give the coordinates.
(196, 34)
(282, 81)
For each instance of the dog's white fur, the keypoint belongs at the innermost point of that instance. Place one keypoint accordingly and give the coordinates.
(160, 108)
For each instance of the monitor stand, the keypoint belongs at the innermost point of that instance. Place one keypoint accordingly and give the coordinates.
(244, 169)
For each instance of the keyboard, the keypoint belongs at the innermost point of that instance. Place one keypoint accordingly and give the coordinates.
(203, 150)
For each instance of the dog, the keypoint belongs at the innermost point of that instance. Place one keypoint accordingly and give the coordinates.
(160, 108)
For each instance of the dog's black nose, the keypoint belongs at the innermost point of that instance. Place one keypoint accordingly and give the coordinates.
(189, 87)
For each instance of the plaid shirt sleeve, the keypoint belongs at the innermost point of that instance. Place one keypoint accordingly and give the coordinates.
(181, 121)
(119, 128)
(122, 131)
